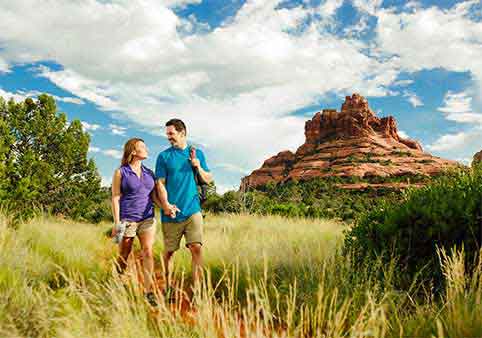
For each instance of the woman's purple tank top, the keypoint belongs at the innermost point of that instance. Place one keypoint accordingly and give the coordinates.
(136, 202)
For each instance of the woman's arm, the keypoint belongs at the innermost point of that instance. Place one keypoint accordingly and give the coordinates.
(116, 194)
(169, 209)
(156, 198)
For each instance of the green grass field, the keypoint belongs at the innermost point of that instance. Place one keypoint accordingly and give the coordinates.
(264, 277)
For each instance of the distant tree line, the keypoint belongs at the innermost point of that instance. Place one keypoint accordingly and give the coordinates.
(314, 198)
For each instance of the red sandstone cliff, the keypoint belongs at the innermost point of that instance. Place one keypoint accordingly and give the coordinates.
(352, 142)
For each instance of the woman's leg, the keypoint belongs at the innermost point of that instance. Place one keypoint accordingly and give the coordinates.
(125, 247)
(146, 238)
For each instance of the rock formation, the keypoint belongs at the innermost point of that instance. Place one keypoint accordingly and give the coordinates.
(352, 142)
(477, 159)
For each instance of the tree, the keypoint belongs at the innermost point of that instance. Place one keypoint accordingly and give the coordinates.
(44, 162)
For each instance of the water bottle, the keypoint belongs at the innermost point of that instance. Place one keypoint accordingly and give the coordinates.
(121, 229)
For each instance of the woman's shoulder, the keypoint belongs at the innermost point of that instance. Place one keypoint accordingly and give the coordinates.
(121, 170)
(148, 170)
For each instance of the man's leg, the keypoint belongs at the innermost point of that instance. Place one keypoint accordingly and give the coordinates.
(194, 240)
(196, 255)
(146, 238)
(166, 261)
(172, 233)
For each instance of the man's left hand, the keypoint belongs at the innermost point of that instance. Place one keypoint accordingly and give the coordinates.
(195, 163)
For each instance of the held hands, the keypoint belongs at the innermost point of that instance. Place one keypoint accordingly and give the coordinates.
(170, 210)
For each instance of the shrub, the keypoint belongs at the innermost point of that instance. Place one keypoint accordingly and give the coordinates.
(443, 214)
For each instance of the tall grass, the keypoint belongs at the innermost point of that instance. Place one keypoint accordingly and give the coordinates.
(264, 277)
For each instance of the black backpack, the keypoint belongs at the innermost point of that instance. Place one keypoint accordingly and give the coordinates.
(202, 186)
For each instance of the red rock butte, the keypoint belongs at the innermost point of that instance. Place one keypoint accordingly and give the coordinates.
(351, 143)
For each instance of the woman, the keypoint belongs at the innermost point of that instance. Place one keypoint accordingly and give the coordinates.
(133, 194)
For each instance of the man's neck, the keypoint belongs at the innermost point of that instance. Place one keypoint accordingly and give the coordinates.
(182, 146)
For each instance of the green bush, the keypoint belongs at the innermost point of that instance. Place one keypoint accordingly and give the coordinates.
(443, 214)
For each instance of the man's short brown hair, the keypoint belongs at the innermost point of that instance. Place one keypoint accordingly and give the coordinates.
(178, 125)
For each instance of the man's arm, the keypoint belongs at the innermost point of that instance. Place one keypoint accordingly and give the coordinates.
(199, 163)
(205, 175)
(161, 191)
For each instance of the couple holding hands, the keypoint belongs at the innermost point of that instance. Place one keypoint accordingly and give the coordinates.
(173, 188)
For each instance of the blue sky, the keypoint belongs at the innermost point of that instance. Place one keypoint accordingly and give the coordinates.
(246, 75)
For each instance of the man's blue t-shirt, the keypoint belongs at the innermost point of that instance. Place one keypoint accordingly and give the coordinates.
(174, 165)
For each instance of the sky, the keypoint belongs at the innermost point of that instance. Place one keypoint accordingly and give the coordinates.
(245, 75)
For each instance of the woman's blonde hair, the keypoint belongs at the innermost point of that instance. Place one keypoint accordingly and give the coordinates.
(129, 148)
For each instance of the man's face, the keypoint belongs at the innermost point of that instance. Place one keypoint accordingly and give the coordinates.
(174, 137)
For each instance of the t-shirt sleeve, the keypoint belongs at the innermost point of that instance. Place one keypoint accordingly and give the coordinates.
(202, 160)
(160, 168)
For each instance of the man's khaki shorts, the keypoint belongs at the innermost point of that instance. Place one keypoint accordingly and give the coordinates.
(191, 228)
(136, 228)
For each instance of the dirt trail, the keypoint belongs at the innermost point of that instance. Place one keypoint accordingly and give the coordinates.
(181, 303)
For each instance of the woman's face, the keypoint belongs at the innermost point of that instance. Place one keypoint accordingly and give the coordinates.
(141, 150)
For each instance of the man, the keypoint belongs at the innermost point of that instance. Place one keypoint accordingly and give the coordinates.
(177, 189)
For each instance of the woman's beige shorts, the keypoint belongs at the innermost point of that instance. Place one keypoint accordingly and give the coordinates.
(135, 228)
(191, 228)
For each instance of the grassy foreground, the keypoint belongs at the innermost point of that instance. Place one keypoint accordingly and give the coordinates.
(265, 277)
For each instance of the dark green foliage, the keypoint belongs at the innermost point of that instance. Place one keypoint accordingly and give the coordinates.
(445, 213)
(44, 164)
(316, 198)
(401, 153)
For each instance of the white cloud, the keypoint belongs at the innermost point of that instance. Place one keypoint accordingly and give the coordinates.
(402, 83)
(221, 189)
(105, 181)
(453, 143)
(403, 134)
(232, 167)
(432, 38)
(369, 6)
(90, 127)
(21, 95)
(91, 90)
(458, 107)
(113, 153)
(73, 100)
(9, 95)
(179, 3)
(414, 100)
(456, 103)
(235, 85)
(329, 7)
(4, 68)
(93, 149)
(117, 130)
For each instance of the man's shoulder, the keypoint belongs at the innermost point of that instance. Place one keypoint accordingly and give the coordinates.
(199, 152)
(165, 152)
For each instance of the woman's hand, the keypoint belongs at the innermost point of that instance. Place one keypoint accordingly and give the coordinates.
(114, 231)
